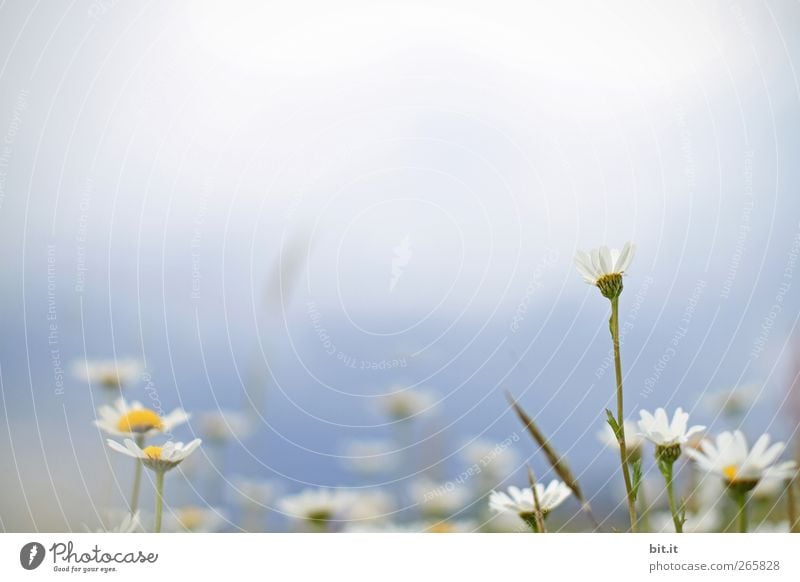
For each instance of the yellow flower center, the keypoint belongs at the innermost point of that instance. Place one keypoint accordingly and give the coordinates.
(140, 420)
(442, 527)
(152, 452)
(191, 518)
(110, 380)
(730, 472)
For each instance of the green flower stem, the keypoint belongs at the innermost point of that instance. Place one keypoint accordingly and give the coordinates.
(137, 478)
(614, 327)
(644, 517)
(159, 500)
(741, 506)
(667, 471)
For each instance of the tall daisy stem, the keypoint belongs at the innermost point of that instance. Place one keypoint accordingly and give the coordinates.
(741, 506)
(644, 516)
(667, 471)
(137, 478)
(614, 327)
(159, 500)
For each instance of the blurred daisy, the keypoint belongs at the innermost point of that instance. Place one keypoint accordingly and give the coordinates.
(222, 426)
(130, 523)
(196, 519)
(658, 429)
(705, 522)
(733, 402)
(438, 499)
(317, 507)
(254, 494)
(730, 457)
(130, 420)
(495, 461)
(371, 505)
(769, 487)
(370, 457)
(773, 527)
(505, 522)
(633, 440)
(110, 374)
(405, 403)
(521, 502)
(447, 526)
(604, 267)
(159, 459)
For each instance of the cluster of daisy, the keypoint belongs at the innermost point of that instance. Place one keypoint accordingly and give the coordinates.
(729, 456)
(475, 500)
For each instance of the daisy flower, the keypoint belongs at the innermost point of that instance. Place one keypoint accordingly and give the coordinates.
(371, 505)
(159, 459)
(706, 521)
(495, 461)
(317, 507)
(730, 457)
(110, 374)
(196, 519)
(130, 523)
(405, 403)
(604, 267)
(521, 502)
(658, 429)
(222, 426)
(254, 494)
(733, 402)
(438, 499)
(134, 420)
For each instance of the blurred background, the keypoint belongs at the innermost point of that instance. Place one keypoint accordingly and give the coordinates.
(283, 212)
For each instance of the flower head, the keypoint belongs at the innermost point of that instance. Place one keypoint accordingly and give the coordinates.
(196, 519)
(222, 426)
(521, 501)
(405, 403)
(110, 374)
(739, 465)
(496, 460)
(317, 507)
(127, 420)
(163, 458)
(604, 268)
(735, 401)
(658, 429)
(438, 499)
(130, 523)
